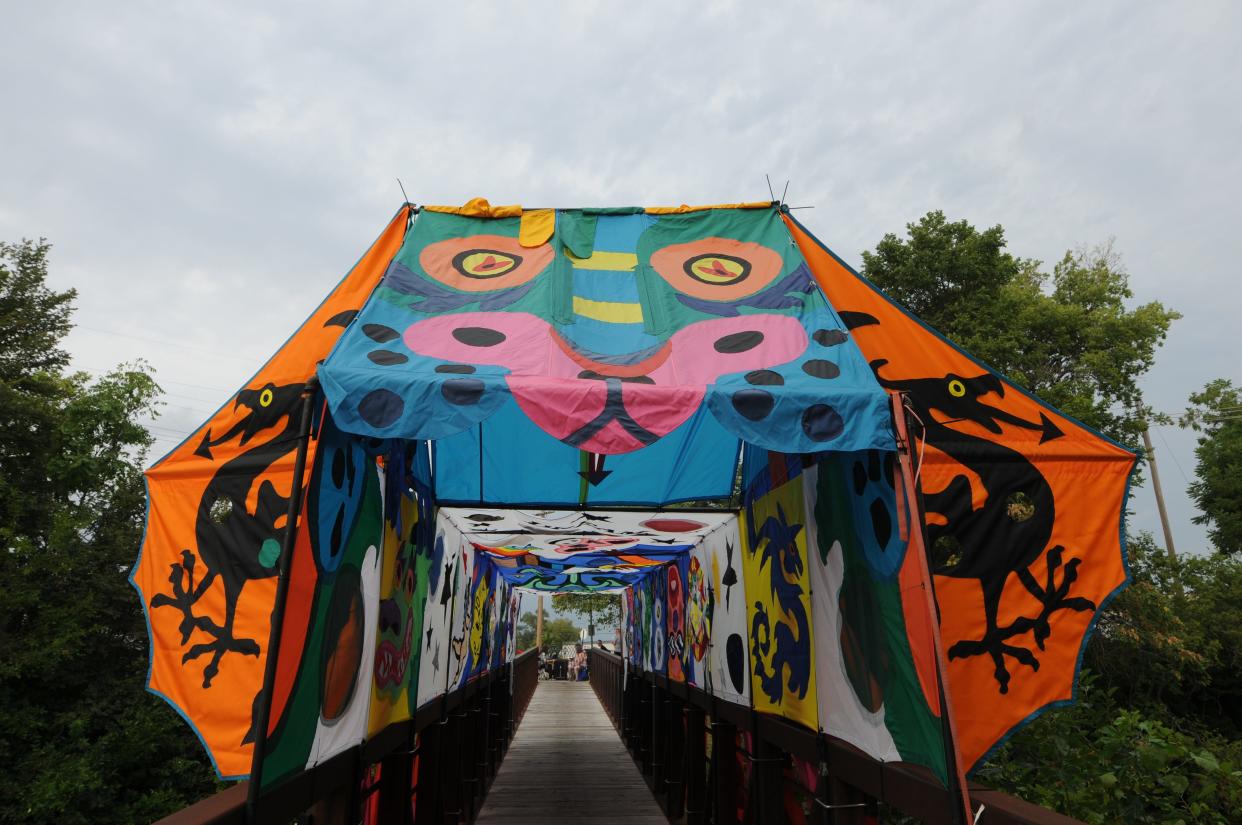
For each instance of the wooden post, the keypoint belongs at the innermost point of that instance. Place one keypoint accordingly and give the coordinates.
(1155, 483)
(539, 625)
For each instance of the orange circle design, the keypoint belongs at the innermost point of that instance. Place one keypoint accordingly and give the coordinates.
(717, 269)
(482, 263)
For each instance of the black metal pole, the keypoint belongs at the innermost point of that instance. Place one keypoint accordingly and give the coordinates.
(282, 591)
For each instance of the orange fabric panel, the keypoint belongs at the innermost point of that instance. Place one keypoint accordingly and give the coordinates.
(1078, 480)
(233, 473)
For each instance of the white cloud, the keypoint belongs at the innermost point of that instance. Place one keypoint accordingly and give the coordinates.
(217, 161)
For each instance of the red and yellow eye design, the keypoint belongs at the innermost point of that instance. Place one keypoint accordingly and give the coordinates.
(482, 263)
(717, 269)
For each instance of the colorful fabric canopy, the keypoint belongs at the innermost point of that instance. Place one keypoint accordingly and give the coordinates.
(511, 398)
(582, 551)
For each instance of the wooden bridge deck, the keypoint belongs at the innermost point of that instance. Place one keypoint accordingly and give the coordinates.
(567, 764)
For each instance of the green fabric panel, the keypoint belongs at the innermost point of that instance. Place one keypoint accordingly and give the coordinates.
(874, 611)
(289, 746)
(576, 231)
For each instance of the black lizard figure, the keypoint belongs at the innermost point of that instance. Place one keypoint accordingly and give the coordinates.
(1010, 530)
(233, 543)
(776, 539)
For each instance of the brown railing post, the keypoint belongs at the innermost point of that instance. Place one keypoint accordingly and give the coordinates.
(427, 806)
(394, 787)
(674, 754)
(696, 766)
(767, 762)
(724, 760)
(656, 748)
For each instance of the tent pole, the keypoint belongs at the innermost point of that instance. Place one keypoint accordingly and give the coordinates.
(918, 535)
(264, 707)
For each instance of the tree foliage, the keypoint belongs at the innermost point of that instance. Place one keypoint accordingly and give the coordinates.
(1216, 414)
(1067, 335)
(82, 741)
(602, 608)
(1154, 735)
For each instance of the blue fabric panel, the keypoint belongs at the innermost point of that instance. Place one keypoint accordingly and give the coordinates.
(523, 465)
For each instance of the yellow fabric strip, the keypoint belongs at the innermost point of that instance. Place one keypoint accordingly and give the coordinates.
(675, 210)
(617, 261)
(612, 312)
(537, 227)
(479, 208)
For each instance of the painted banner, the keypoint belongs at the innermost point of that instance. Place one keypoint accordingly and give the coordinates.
(778, 594)
(722, 596)
(875, 661)
(206, 573)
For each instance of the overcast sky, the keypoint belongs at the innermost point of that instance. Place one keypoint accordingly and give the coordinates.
(208, 171)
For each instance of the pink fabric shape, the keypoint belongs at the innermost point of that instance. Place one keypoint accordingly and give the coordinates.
(611, 413)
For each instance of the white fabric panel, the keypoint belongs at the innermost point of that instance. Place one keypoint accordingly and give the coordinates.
(350, 728)
(840, 712)
(728, 671)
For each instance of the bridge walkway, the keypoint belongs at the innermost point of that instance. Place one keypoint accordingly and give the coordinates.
(567, 764)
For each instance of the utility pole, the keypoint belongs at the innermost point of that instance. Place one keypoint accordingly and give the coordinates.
(539, 624)
(1155, 483)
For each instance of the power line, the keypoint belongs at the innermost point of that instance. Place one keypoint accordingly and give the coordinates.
(167, 343)
(1173, 455)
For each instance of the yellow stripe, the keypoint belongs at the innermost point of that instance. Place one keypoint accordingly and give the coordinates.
(612, 312)
(617, 261)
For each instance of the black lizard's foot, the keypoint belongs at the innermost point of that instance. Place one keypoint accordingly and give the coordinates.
(1053, 596)
(181, 579)
(223, 643)
(993, 644)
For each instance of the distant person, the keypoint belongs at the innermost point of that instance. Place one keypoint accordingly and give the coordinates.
(578, 664)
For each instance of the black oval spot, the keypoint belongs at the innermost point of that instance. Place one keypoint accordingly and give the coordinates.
(764, 378)
(860, 478)
(735, 659)
(873, 465)
(881, 523)
(478, 336)
(338, 529)
(379, 333)
(386, 358)
(829, 337)
(822, 423)
(338, 468)
(889, 470)
(819, 368)
(462, 391)
(462, 369)
(739, 341)
(753, 404)
(381, 407)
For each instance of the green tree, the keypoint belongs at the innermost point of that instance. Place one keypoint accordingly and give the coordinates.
(1067, 335)
(604, 609)
(82, 741)
(559, 632)
(526, 631)
(1216, 414)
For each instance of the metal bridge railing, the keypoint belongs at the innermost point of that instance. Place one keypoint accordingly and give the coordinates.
(711, 761)
(434, 768)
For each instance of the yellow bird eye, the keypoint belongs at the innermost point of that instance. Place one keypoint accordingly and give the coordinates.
(956, 388)
(265, 398)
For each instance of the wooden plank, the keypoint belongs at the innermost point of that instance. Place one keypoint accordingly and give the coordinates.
(567, 764)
